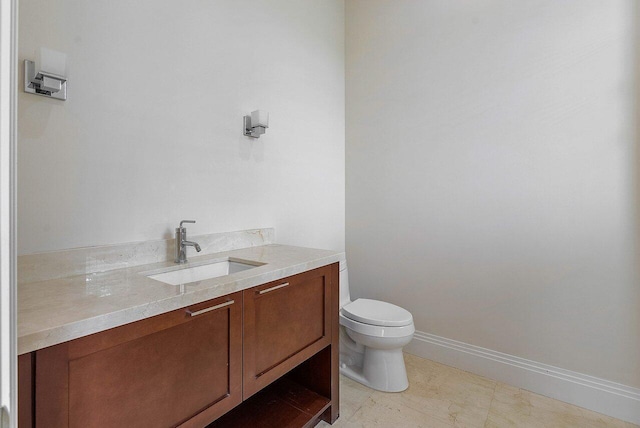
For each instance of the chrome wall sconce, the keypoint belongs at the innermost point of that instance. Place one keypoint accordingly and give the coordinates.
(256, 124)
(47, 75)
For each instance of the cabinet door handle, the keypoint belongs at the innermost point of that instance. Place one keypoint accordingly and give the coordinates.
(270, 289)
(212, 308)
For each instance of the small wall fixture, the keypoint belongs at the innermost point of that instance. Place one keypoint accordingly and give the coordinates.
(255, 125)
(47, 75)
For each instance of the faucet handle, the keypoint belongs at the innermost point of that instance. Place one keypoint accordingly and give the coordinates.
(187, 221)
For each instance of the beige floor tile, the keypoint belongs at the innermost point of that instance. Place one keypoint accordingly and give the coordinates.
(352, 396)
(514, 407)
(380, 412)
(442, 396)
(449, 395)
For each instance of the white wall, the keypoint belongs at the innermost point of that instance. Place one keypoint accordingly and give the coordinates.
(151, 131)
(492, 173)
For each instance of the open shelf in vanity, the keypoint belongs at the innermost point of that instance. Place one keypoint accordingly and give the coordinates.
(290, 402)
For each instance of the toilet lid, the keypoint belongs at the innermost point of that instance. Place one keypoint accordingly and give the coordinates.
(375, 312)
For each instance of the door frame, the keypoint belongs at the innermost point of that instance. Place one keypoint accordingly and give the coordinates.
(8, 188)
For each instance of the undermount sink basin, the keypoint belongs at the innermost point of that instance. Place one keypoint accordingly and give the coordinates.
(202, 272)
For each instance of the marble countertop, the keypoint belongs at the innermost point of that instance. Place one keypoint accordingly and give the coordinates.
(57, 310)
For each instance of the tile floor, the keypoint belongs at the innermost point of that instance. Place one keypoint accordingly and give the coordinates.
(441, 396)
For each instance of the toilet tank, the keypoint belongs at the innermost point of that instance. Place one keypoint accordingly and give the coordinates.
(344, 284)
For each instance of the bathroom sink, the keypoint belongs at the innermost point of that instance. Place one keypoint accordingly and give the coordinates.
(202, 272)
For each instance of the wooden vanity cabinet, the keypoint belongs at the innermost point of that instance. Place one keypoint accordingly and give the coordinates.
(290, 345)
(182, 368)
(265, 356)
(285, 323)
(26, 369)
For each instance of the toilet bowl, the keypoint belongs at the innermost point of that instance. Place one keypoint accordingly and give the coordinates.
(372, 335)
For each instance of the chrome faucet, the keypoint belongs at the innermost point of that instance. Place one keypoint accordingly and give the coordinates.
(182, 243)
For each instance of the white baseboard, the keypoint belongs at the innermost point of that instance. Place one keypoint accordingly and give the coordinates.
(599, 395)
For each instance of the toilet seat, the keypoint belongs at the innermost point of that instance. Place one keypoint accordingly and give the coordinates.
(376, 330)
(377, 313)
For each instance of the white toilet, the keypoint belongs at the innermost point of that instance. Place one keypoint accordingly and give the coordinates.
(372, 335)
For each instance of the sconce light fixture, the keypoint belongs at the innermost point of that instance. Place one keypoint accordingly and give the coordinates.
(46, 75)
(255, 125)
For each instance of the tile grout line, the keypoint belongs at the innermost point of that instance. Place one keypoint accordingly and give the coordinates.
(493, 396)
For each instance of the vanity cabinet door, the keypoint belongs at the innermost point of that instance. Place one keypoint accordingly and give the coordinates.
(285, 323)
(182, 368)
